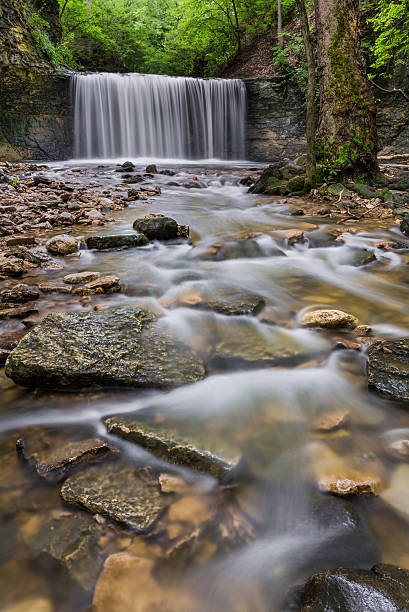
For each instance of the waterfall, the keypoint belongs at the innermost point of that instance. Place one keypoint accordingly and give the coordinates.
(160, 117)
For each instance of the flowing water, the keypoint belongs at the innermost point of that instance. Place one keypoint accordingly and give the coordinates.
(150, 116)
(274, 528)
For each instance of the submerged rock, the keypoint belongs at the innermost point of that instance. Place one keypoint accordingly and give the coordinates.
(344, 477)
(62, 245)
(122, 346)
(244, 345)
(396, 493)
(224, 301)
(330, 421)
(69, 542)
(157, 227)
(362, 257)
(384, 587)
(388, 369)
(116, 491)
(128, 582)
(173, 443)
(56, 464)
(329, 319)
(116, 241)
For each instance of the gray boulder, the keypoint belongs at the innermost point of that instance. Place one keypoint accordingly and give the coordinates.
(122, 346)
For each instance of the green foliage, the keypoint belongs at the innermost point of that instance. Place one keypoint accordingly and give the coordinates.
(390, 22)
(189, 37)
(14, 181)
(290, 59)
(57, 54)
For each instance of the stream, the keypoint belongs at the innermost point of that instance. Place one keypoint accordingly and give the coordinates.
(240, 545)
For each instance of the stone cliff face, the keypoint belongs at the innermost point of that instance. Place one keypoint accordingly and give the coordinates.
(276, 120)
(35, 115)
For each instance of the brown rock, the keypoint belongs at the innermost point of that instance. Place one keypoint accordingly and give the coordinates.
(127, 583)
(57, 464)
(62, 245)
(329, 319)
(330, 421)
(81, 277)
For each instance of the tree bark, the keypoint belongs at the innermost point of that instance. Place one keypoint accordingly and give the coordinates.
(312, 115)
(347, 137)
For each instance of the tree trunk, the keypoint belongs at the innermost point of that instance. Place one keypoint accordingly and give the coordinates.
(311, 166)
(280, 24)
(347, 137)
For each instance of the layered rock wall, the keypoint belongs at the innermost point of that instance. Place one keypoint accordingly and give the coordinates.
(276, 120)
(35, 113)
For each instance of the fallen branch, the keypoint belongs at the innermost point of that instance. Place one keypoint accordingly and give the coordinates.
(390, 157)
(394, 90)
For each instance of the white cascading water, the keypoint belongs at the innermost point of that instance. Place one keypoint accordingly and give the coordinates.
(161, 117)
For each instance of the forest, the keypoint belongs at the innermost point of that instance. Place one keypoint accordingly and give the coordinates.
(202, 37)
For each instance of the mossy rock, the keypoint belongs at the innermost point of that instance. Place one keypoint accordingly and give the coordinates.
(122, 346)
(177, 443)
(270, 181)
(296, 183)
(116, 241)
(336, 189)
(365, 191)
(117, 492)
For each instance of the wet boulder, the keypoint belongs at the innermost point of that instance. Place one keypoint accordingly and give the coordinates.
(57, 463)
(329, 319)
(117, 492)
(151, 169)
(384, 587)
(157, 227)
(62, 245)
(388, 369)
(180, 445)
(19, 294)
(122, 346)
(116, 241)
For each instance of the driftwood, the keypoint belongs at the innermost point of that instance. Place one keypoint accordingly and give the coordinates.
(390, 157)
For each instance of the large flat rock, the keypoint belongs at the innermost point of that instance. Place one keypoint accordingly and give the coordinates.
(122, 346)
(117, 492)
(388, 369)
(194, 449)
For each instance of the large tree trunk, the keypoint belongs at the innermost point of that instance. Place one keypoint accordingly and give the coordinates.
(347, 138)
(311, 167)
